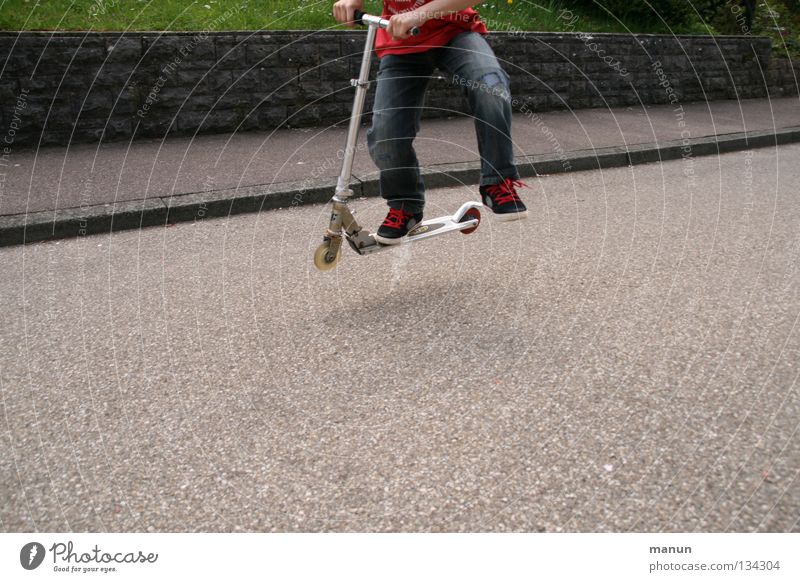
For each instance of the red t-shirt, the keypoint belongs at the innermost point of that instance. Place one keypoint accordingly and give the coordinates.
(435, 32)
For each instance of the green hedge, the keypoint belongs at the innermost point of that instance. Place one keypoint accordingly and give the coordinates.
(671, 12)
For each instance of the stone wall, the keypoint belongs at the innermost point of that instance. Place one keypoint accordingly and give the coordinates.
(782, 77)
(83, 87)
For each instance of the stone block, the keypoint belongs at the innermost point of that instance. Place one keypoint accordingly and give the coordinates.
(301, 54)
(155, 125)
(219, 80)
(277, 95)
(336, 70)
(96, 103)
(230, 53)
(218, 120)
(233, 99)
(319, 90)
(263, 51)
(303, 114)
(271, 116)
(192, 80)
(124, 49)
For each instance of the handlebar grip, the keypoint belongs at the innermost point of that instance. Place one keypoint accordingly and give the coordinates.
(358, 16)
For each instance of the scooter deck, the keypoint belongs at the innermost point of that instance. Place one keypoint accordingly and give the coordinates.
(432, 227)
(437, 226)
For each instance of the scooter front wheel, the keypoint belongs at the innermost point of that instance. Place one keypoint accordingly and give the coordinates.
(323, 259)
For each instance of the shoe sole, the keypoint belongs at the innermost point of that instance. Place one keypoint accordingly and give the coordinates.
(510, 216)
(395, 241)
(390, 241)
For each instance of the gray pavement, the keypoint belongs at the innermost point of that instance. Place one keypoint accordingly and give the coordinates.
(624, 360)
(46, 193)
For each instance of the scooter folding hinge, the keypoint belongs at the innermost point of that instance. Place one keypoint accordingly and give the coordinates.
(357, 83)
(342, 195)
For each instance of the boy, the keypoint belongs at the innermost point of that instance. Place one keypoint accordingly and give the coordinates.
(451, 39)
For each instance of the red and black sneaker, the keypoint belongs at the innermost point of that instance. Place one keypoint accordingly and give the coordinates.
(503, 200)
(397, 225)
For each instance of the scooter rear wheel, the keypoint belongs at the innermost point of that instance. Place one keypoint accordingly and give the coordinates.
(322, 259)
(472, 213)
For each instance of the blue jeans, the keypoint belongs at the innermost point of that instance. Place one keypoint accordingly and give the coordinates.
(402, 79)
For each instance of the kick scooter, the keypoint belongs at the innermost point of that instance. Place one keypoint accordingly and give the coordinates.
(343, 225)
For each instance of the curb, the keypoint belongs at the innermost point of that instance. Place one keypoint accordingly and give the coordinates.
(104, 218)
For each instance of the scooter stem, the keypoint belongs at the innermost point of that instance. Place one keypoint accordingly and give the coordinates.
(362, 84)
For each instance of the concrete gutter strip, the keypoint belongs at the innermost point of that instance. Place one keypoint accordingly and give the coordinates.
(103, 218)
(73, 222)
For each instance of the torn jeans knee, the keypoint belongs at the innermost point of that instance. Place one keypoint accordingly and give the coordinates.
(493, 83)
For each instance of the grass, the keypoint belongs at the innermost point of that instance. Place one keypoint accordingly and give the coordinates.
(541, 15)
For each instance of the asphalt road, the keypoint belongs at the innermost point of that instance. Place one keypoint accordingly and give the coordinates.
(624, 360)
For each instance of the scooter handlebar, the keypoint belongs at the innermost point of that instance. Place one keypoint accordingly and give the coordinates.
(364, 19)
